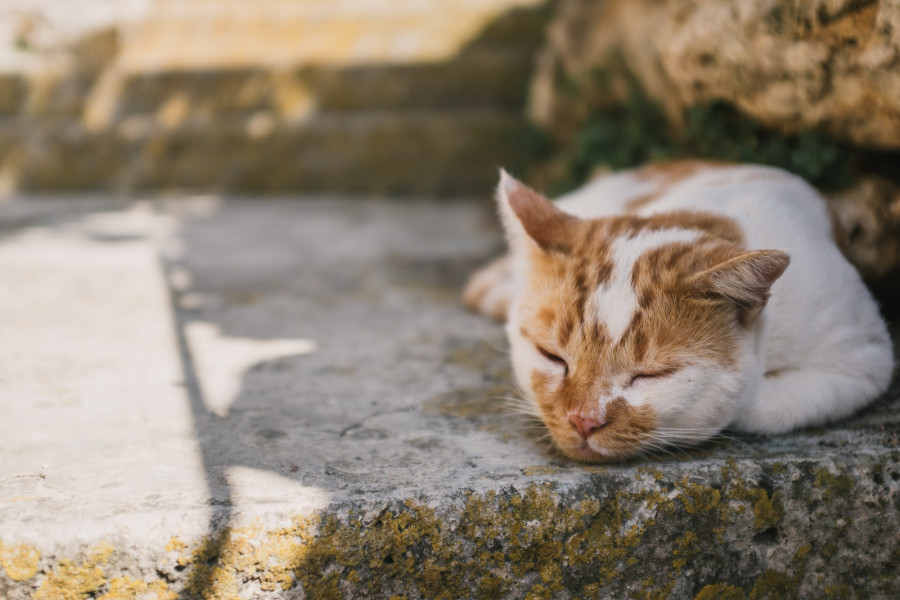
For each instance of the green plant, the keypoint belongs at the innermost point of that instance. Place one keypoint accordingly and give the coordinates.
(637, 132)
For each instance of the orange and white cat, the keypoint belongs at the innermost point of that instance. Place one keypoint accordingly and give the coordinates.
(662, 305)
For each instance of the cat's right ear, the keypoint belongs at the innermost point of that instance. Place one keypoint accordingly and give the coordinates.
(530, 218)
(745, 280)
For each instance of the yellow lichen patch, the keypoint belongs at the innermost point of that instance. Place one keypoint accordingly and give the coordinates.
(773, 585)
(650, 590)
(539, 592)
(69, 581)
(20, 561)
(720, 591)
(698, 498)
(833, 486)
(221, 584)
(767, 511)
(125, 588)
(273, 560)
(655, 473)
(175, 545)
(235, 555)
(540, 470)
(606, 541)
(686, 548)
(101, 553)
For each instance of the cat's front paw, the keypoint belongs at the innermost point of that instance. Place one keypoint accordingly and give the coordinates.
(490, 290)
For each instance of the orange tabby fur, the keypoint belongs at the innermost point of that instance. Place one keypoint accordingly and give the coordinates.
(662, 337)
(635, 308)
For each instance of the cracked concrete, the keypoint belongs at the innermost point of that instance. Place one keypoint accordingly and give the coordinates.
(278, 398)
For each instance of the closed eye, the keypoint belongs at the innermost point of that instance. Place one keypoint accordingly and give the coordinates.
(648, 375)
(554, 359)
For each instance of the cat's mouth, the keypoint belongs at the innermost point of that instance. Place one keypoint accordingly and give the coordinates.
(591, 451)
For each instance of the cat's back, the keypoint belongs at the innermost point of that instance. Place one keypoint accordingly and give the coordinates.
(755, 196)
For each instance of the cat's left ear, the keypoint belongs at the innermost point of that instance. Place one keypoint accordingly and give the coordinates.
(745, 280)
(529, 217)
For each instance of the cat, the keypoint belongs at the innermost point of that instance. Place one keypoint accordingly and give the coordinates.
(662, 305)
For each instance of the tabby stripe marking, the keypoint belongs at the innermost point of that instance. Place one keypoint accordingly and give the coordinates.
(615, 300)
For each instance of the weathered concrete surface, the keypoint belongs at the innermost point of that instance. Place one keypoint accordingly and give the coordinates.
(285, 399)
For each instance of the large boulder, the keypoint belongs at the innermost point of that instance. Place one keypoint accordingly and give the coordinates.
(832, 65)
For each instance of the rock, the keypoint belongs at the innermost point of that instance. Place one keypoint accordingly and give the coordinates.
(868, 219)
(832, 65)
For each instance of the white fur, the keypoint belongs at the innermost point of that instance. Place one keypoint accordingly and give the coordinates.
(615, 299)
(819, 350)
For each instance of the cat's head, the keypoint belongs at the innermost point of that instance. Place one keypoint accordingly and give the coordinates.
(632, 333)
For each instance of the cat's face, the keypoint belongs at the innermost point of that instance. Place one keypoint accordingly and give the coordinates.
(632, 333)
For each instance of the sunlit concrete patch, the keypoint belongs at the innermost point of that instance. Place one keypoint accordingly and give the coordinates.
(96, 419)
(256, 492)
(222, 361)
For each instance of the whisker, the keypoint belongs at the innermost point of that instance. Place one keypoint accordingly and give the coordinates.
(656, 448)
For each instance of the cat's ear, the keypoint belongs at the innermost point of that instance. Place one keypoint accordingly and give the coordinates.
(529, 217)
(744, 280)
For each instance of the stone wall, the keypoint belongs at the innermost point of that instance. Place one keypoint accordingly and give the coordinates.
(825, 64)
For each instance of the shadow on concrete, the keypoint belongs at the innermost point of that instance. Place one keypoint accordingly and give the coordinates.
(305, 299)
(404, 387)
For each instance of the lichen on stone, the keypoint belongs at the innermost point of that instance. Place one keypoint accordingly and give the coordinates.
(19, 561)
(542, 540)
(686, 549)
(833, 486)
(71, 581)
(720, 591)
(222, 563)
(125, 588)
(698, 498)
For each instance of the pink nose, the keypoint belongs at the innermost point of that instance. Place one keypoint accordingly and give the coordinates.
(585, 425)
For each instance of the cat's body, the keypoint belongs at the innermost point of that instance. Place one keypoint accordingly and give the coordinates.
(658, 307)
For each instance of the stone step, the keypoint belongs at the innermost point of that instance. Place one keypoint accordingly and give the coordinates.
(363, 97)
(444, 153)
(484, 78)
(215, 35)
(286, 400)
(487, 76)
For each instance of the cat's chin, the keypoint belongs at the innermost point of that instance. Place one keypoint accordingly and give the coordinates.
(584, 452)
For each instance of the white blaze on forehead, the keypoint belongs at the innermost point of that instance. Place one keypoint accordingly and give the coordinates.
(615, 300)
